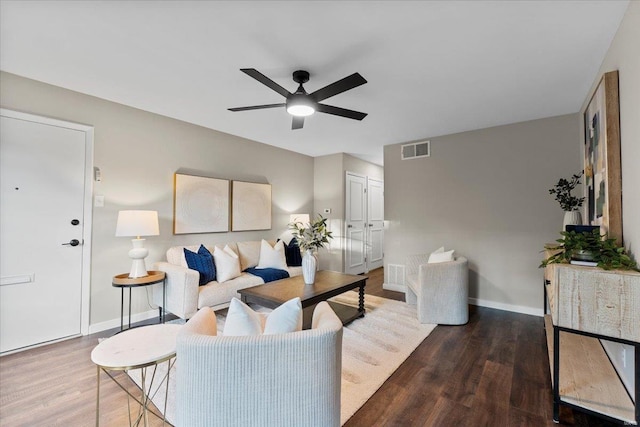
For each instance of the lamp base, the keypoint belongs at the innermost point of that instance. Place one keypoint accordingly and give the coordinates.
(138, 254)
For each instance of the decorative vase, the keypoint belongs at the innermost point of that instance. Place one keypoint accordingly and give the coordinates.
(309, 263)
(571, 218)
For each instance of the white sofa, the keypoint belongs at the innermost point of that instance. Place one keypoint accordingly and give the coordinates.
(290, 379)
(185, 296)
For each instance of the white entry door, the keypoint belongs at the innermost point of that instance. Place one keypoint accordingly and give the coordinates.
(42, 216)
(375, 223)
(355, 223)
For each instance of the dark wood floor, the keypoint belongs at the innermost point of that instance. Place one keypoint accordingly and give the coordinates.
(493, 372)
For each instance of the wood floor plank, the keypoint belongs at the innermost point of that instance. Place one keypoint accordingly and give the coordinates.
(499, 353)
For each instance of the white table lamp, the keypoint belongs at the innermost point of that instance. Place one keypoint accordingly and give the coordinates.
(138, 223)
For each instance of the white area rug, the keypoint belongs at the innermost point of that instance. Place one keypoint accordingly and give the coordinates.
(373, 347)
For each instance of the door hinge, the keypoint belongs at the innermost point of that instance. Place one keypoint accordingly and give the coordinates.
(365, 190)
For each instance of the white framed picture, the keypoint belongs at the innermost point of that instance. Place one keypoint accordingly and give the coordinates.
(201, 204)
(250, 206)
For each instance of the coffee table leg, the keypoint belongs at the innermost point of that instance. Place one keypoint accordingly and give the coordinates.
(361, 299)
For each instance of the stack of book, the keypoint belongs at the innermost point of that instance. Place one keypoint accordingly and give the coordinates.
(585, 263)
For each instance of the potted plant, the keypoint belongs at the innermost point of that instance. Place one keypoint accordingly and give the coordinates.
(590, 246)
(310, 238)
(569, 203)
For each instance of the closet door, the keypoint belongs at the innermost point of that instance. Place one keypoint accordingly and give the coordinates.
(375, 223)
(355, 223)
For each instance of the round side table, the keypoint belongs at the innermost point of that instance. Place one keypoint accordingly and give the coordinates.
(123, 281)
(138, 348)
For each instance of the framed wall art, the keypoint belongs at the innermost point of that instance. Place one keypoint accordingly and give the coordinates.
(603, 178)
(250, 206)
(201, 204)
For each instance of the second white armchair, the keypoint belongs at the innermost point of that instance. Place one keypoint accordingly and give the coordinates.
(440, 290)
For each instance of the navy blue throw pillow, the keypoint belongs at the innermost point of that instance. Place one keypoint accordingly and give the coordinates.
(202, 262)
(292, 253)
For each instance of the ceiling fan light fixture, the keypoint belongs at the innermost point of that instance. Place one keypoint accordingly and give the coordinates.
(300, 106)
(300, 110)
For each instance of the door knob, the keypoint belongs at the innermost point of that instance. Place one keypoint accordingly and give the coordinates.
(72, 242)
(75, 222)
(349, 226)
(370, 225)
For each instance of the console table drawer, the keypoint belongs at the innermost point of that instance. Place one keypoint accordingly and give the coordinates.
(597, 301)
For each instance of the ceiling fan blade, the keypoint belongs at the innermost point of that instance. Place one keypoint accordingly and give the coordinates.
(252, 72)
(256, 107)
(342, 112)
(297, 123)
(349, 82)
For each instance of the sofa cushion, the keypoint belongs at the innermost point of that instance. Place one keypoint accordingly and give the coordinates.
(284, 319)
(227, 264)
(215, 294)
(292, 253)
(249, 253)
(294, 271)
(241, 320)
(175, 254)
(202, 262)
(440, 255)
(272, 257)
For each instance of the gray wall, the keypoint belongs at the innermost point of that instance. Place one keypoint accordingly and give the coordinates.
(138, 154)
(623, 56)
(485, 194)
(329, 192)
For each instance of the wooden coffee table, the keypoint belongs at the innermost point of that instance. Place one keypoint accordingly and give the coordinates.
(327, 284)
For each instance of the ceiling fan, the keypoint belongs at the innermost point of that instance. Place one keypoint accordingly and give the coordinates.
(301, 104)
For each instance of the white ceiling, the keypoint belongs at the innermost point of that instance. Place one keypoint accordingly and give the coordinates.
(433, 67)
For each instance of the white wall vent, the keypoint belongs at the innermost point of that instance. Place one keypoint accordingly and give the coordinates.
(395, 274)
(415, 150)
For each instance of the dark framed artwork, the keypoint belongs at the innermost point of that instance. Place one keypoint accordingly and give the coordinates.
(603, 177)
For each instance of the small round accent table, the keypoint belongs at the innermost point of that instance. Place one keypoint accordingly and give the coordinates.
(124, 281)
(138, 348)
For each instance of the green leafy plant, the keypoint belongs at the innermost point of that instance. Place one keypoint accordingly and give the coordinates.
(315, 236)
(562, 191)
(604, 251)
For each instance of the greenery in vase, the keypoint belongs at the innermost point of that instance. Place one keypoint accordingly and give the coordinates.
(314, 236)
(562, 191)
(605, 251)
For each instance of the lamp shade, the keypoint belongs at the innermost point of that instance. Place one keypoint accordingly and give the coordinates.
(137, 223)
(302, 219)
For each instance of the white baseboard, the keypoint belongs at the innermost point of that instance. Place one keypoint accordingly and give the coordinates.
(115, 323)
(394, 287)
(479, 302)
(507, 307)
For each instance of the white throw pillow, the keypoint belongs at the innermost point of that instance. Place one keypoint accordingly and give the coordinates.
(284, 319)
(227, 264)
(241, 320)
(440, 255)
(272, 257)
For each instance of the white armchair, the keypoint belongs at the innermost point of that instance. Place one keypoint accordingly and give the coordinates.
(440, 290)
(267, 380)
